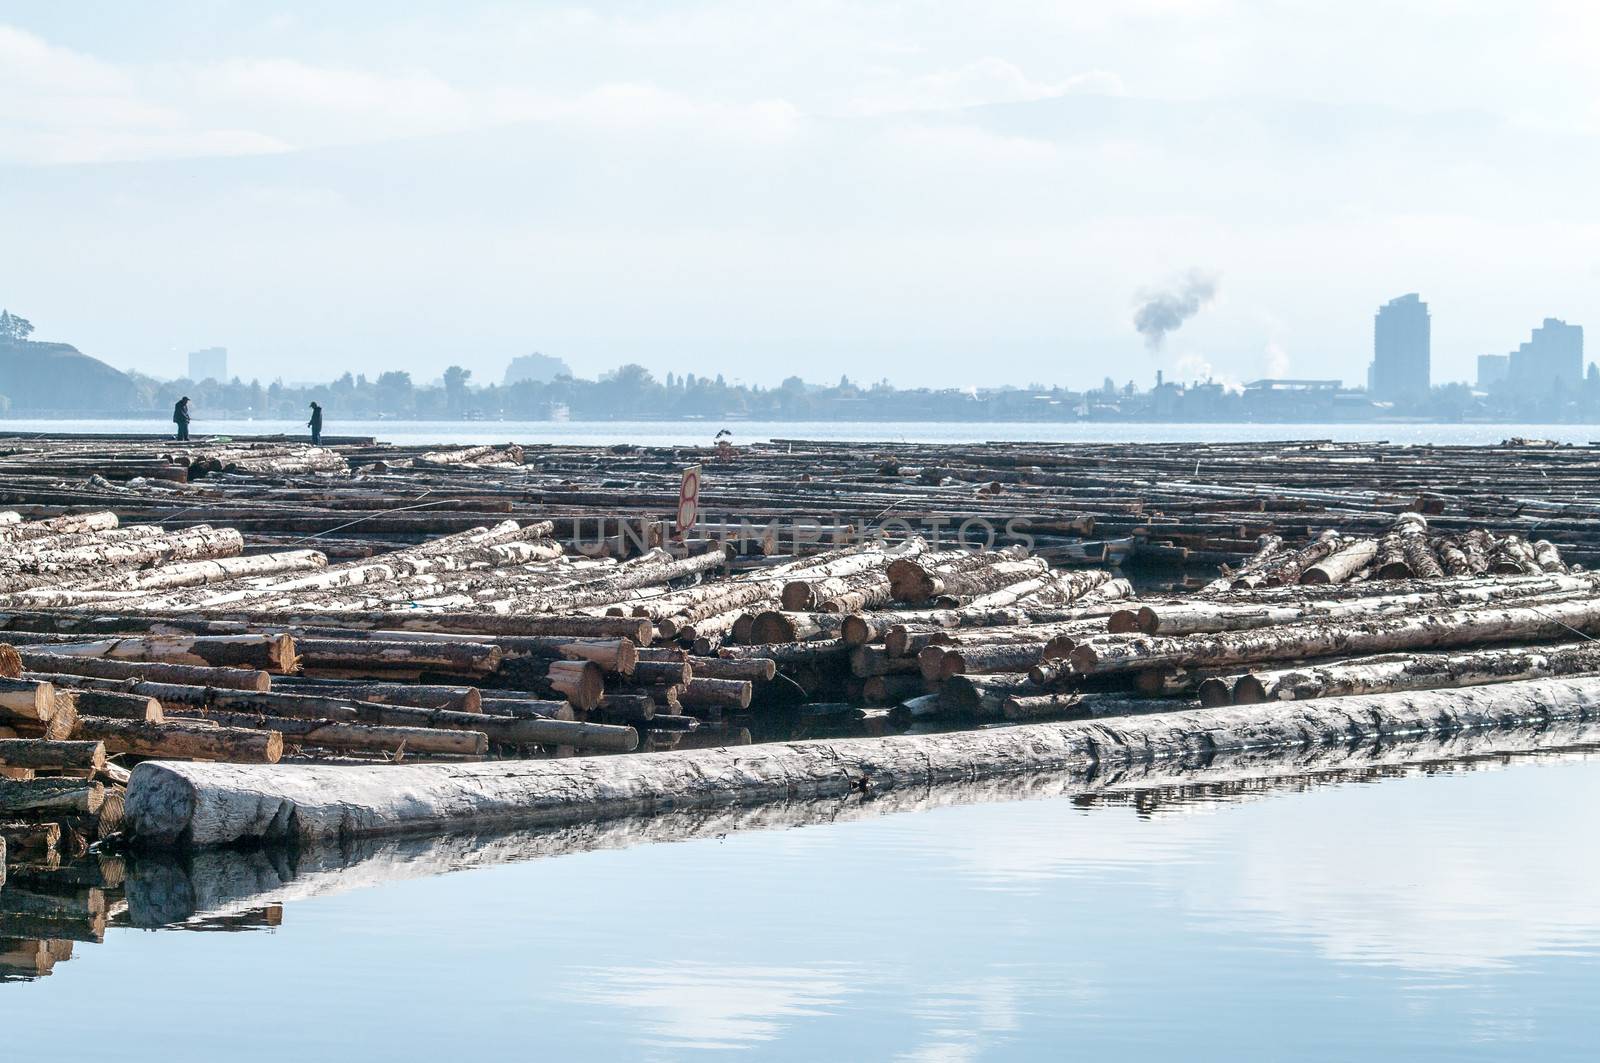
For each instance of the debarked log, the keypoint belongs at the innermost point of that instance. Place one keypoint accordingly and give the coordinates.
(176, 805)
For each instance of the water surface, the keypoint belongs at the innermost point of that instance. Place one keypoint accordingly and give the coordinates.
(1448, 910)
(701, 433)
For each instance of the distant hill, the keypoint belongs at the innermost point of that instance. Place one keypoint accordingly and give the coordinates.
(59, 378)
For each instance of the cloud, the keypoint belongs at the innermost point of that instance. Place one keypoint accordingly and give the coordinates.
(988, 80)
(709, 1007)
(59, 106)
(961, 143)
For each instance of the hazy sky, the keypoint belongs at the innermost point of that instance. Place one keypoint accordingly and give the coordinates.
(951, 194)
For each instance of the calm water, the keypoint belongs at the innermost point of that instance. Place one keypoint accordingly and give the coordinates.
(1448, 912)
(687, 433)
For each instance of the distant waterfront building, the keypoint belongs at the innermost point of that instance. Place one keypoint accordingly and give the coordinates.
(209, 364)
(539, 368)
(1493, 369)
(1552, 358)
(1401, 347)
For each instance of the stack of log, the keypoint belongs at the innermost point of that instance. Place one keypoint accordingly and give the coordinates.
(413, 603)
(1405, 551)
(1149, 505)
(58, 792)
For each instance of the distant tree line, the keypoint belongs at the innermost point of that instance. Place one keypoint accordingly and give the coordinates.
(632, 392)
(629, 393)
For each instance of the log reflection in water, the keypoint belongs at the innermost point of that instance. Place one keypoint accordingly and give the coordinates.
(167, 889)
(44, 909)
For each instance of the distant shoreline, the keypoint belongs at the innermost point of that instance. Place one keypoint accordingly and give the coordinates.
(703, 433)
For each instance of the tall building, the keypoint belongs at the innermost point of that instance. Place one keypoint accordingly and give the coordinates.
(1552, 358)
(1493, 370)
(1400, 349)
(209, 364)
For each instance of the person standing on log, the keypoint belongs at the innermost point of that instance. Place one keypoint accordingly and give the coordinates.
(180, 417)
(315, 424)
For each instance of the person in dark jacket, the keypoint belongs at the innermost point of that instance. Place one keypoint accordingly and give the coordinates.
(180, 417)
(315, 424)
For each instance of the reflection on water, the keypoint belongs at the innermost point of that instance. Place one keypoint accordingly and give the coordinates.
(695, 1006)
(1433, 899)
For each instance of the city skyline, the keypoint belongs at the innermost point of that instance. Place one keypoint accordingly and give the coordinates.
(1553, 351)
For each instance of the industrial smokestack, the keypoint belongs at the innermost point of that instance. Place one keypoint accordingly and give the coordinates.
(1161, 312)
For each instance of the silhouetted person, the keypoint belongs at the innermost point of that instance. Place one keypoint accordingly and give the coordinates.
(180, 417)
(315, 424)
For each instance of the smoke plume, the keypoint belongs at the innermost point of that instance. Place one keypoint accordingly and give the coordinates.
(1161, 312)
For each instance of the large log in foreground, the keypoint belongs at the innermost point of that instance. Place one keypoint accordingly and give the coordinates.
(177, 805)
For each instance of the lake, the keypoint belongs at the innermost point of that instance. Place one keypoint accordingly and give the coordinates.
(1430, 909)
(701, 433)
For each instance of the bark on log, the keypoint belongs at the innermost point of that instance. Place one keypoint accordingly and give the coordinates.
(267, 653)
(716, 693)
(1414, 671)
(1190, 616)
(101, 668)
(195, 805)
(354, 737)
(50, 795)
(183, 740)
(375, 658)
(1466, 627)
(638, 629)
(422, 695)
(118, 705)
(52, 756)
(527, 708)
(26, 699)
(1340, 566)
(756, 669)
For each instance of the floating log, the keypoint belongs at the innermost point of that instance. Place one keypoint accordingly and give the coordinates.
(179, 805)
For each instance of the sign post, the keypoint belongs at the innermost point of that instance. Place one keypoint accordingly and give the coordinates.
(689, 501)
